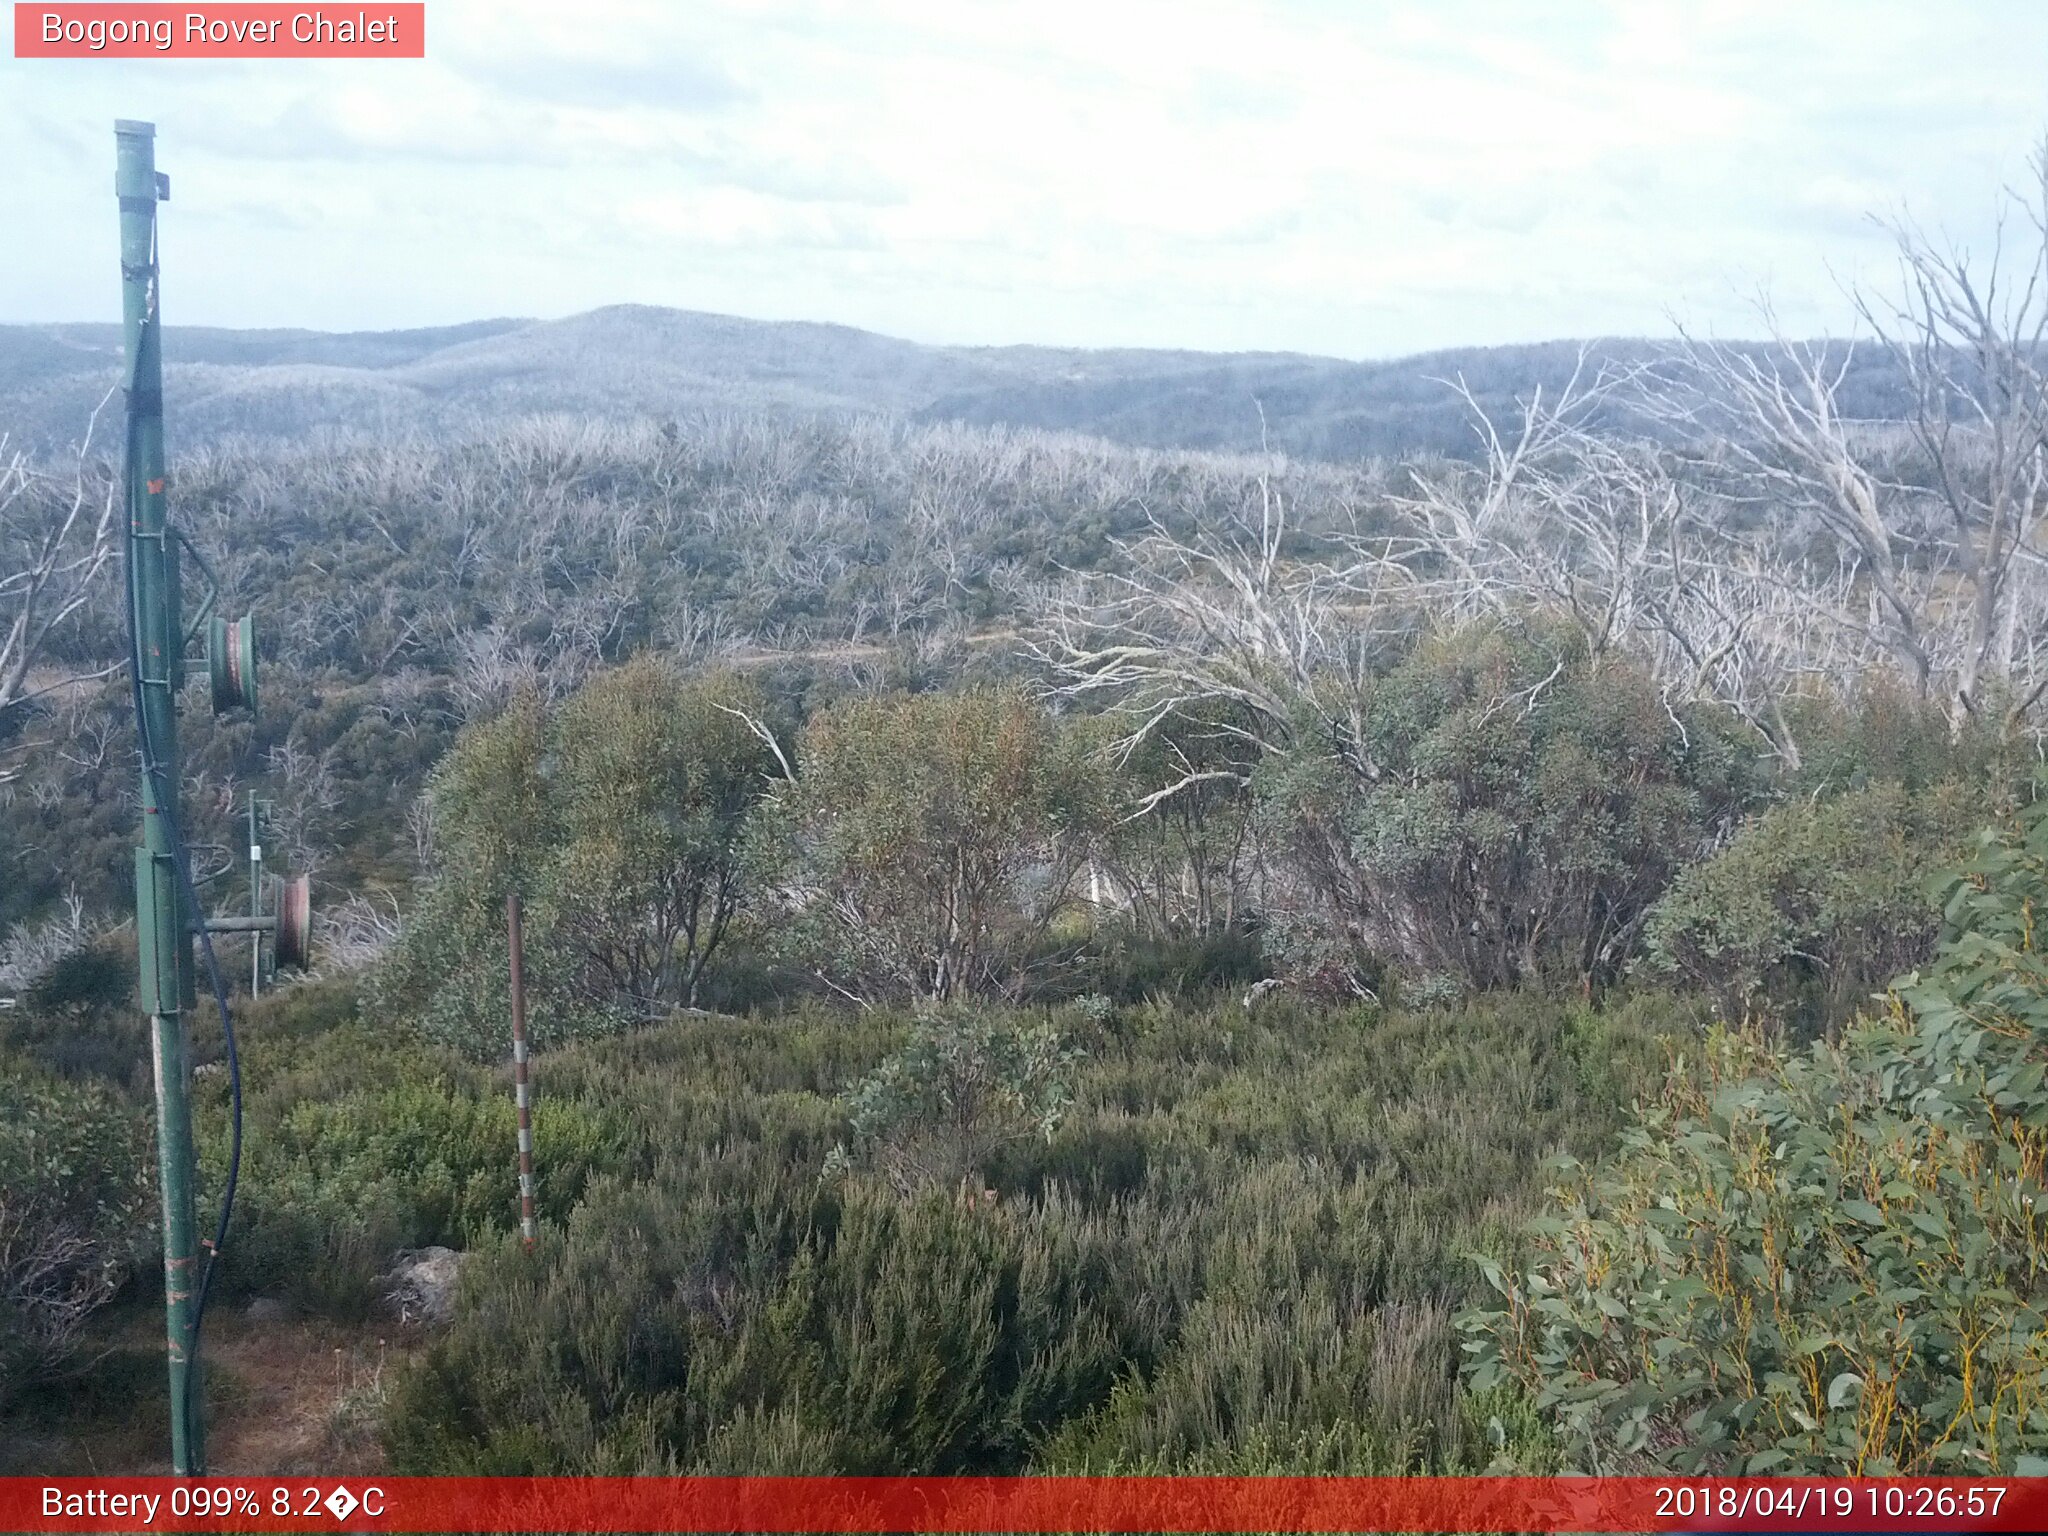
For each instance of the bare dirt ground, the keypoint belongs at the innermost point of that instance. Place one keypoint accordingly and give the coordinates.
(292, 1397)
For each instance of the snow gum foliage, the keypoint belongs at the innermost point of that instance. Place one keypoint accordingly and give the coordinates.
(1825, 1259)
(938, 838)
(1510, 809)
(619, 817)
(1814, 904)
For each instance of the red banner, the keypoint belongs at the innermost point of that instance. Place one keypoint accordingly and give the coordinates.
(262, 31)
(1021, 1504)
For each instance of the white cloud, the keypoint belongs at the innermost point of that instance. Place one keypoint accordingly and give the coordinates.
(1299, 174)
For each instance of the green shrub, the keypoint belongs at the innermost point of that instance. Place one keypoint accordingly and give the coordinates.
(299, 1010)
(619, 818)
(864, 1337)
(1130, 965)
(1822, 1261)
(1814, 904)
(1886, 735)
(1515, 807)
(91, 978)
(962, 1087)
(75, 1212)
(935, 839)
(355, 1148)
(1286, 1381)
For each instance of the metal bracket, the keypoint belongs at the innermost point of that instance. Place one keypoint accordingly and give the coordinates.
(206, 603)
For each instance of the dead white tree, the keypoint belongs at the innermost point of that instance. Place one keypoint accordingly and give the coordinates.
(1226, 625)
(1935, 533)
(1553, 515)
(1970, 341)
(29, 949)
(492, 666)
(57, 535)
(1241, 639)
(1593, 524)
(55, 1271)
(1765, 429)
(305, 795)
(355, 932)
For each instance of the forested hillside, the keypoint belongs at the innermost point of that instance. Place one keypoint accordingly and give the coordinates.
(630, 362)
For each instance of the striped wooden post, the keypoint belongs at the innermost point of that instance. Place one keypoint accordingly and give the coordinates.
(522, 1090)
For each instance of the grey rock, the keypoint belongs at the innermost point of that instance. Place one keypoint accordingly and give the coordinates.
(421, 1285)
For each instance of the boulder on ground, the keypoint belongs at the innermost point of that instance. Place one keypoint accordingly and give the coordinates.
(421, 1286)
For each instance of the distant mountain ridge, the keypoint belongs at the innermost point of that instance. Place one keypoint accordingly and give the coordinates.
(637, 360)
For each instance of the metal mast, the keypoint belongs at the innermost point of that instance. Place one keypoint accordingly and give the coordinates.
(167, 912)
(162, 927)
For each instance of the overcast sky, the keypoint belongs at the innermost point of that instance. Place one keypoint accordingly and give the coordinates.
(1340, 177)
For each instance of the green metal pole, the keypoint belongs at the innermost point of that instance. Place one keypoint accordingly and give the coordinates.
(161, 926)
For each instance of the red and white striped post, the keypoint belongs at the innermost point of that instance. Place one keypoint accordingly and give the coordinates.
(522, 1090)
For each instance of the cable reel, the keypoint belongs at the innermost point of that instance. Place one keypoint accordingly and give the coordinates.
(292, 941)
(231, 662)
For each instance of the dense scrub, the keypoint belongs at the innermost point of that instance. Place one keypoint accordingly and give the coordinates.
(407, 586)
(1241, 1243)
(1189, 1233)
(986, 1170)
